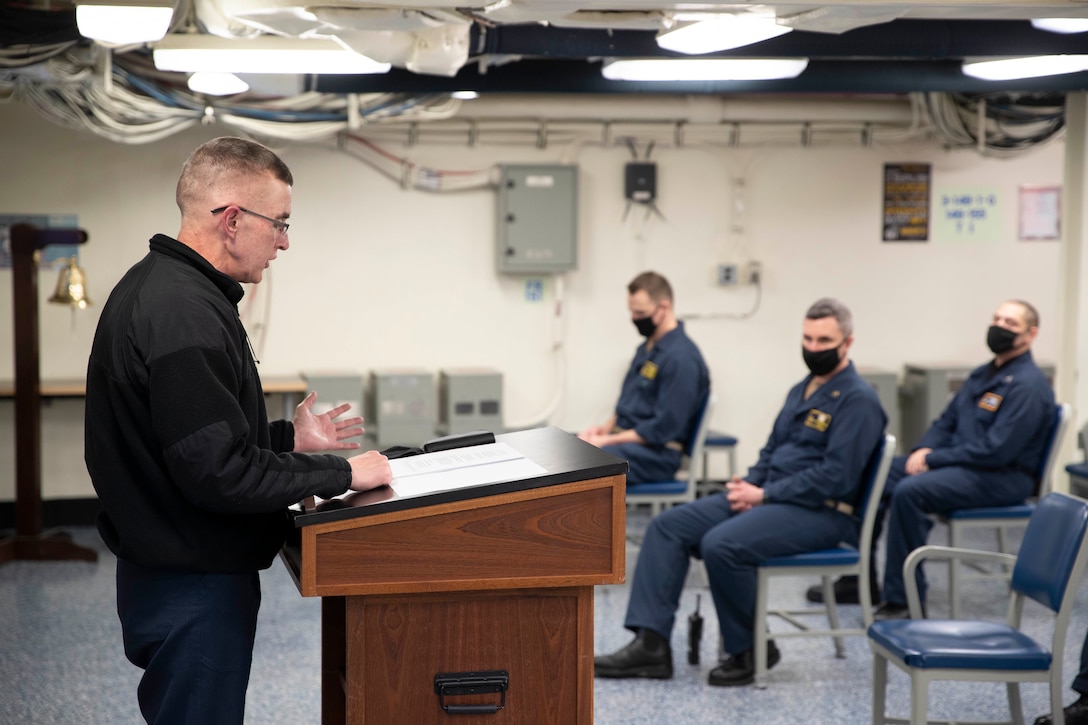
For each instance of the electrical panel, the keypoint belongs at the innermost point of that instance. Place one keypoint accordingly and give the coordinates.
(924, 394)
(537, 219)
(640, 182)
(469, 399)
(886, 385)
(402, 407)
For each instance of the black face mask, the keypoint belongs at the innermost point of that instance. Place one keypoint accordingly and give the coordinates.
(646, 325)
(1000, 340)
(822, 362)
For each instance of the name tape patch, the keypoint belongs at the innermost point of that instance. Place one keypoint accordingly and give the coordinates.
(818, 420)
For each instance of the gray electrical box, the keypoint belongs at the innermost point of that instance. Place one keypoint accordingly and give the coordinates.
(925, 393)
(886, 384)
(926, 390)
(333, 388)
(537, 219)
(402, 407)
(469, 399)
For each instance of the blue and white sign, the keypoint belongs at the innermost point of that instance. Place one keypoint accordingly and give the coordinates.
(970, 215)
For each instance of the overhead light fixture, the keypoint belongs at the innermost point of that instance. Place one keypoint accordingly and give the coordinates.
(1061, 25)
(212, 83)
(262, 54)
(465, 95)
(704, 69)
(1037, 66)
(721, 32)
(124, 22)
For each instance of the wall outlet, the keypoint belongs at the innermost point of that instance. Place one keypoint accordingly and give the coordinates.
(755, 273)
(727, 274)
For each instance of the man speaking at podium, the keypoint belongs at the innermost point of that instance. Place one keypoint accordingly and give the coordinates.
(194, 481)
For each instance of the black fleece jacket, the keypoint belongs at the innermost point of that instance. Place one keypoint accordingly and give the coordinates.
(189, 472)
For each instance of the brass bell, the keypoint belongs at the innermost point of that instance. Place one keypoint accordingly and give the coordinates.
(71, 289)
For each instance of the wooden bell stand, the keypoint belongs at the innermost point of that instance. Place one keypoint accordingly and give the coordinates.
(29, 542)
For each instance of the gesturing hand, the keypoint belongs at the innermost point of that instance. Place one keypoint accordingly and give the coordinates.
(324, 432)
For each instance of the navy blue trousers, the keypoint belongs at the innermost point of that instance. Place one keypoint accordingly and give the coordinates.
(732, 546)
(647, 465)
(910, 500)
(192, 634)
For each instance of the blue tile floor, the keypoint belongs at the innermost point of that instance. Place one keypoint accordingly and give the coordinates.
(61, 660)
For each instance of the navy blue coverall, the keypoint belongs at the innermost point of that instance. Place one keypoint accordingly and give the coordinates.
(987, 446)
(816, 456)
(661, 399)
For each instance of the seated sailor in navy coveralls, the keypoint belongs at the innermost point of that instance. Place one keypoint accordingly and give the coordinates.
(663, 392)
(798, 497)
(984, 450)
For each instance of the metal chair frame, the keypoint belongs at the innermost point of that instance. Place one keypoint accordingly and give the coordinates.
(659, 495)
(844, 561)
(1048, 570)
(999, 518)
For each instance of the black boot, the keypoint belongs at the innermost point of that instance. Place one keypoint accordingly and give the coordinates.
(740, 669)
(846, 591)
(647, 655)
(1075, 714)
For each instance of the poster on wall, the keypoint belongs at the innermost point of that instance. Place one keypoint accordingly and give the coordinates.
(1040, 213)
(969, 214)
(54, 256)
(906, 202)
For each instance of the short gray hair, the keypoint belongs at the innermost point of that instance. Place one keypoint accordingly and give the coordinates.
(831, 307)
(224, 162)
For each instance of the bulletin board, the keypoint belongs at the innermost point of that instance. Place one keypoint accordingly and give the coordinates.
(1040, 213)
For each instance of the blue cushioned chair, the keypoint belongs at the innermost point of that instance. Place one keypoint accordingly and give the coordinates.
(840, 561)
(1048, 570)
(717, 442)
(659, 494)
(999, 518)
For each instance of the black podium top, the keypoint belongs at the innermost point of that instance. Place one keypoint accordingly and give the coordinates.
(562, 455)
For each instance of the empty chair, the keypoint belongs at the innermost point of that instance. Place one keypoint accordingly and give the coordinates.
(717, 442)
(1047, 570)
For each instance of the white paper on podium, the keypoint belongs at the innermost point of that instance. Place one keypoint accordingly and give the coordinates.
(460, 468)
(457, 468)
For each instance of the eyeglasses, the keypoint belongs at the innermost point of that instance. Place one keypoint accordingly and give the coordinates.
(280, 226)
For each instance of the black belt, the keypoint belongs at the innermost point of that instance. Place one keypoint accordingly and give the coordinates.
(841, 506)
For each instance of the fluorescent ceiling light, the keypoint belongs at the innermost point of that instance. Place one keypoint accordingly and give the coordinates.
(263, 54)
(217, 84)
(704, 69)
(721, 32)
(1032, 67)
(1061, 25)
(118, 23)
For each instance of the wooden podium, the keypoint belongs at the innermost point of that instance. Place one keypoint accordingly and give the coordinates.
(471, 582)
